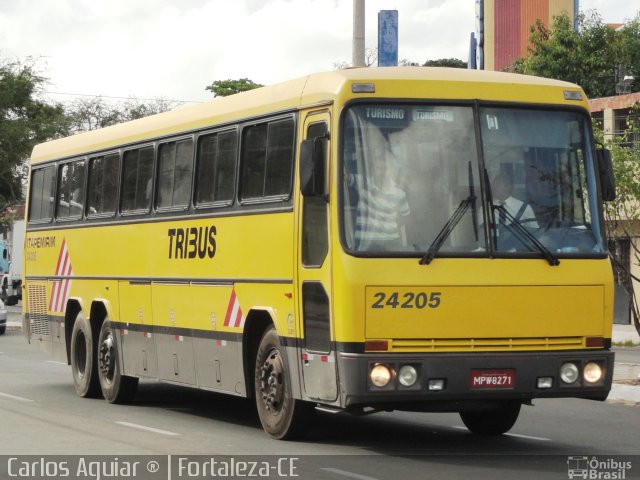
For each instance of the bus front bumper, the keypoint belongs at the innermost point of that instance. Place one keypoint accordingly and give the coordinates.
(445, 381)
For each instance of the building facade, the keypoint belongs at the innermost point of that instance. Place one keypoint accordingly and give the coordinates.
(503, 27)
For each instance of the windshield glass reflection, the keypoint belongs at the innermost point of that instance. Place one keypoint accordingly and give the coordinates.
(412, 181)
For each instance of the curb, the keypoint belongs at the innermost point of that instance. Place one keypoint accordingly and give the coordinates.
(626, 393)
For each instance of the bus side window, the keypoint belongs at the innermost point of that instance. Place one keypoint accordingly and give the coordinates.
(71, 190)
(216, 168)
(137, 180)
(174, 171)
(279, 158)
(254, 160)
(43, 184)
(267, 159)
(102, 190)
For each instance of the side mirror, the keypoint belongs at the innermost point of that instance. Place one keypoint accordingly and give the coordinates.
(605, 171)
(312, 167)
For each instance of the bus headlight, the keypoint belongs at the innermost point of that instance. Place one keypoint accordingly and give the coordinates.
(569, 373)
(381, 375)
(407, 375)
(593, 372)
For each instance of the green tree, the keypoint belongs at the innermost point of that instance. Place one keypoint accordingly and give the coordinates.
(442, 62)
(25, 120)
(629, 38)
(224, 88)
(446, 62)
(133, 108)
(589, 56)
(91, 113)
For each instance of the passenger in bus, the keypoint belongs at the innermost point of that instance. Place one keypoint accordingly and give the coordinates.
(502, 190)
(382, 207)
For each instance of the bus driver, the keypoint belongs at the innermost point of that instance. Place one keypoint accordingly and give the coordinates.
(502, 197)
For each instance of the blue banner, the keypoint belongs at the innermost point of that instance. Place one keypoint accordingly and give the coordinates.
(387, 38)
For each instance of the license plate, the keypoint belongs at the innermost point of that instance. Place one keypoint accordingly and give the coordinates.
(492, 379)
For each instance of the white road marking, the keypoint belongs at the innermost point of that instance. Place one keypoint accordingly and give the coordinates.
(14, 397)
(517, 435)
(345, 473)
(530, 437)
(57, 363)
(147, 429)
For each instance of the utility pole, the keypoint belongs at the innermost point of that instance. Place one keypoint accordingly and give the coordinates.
(357, 59)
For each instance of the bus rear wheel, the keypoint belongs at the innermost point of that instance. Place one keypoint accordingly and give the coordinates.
(492, 422)
(83, 359)
(282, 416)
(116, 388)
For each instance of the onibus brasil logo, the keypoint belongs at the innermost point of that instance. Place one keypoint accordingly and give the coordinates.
(594, 468)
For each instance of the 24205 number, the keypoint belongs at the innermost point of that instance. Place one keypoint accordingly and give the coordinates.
(418, 300)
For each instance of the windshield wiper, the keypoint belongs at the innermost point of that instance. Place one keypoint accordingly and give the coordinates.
(446, 230)
(470, 201)
(515, 227)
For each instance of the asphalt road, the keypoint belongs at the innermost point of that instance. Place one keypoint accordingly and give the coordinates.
(41, 415)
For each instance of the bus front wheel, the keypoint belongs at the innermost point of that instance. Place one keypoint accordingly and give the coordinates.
(116, 388)
(492, 422)
(83, 358)
(282, 416)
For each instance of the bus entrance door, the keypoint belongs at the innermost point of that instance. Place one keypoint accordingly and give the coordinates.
(318, 352)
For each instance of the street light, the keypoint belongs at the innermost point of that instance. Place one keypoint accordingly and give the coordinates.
(624, 85)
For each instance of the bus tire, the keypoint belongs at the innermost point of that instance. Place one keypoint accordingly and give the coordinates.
(116, 388)
(492, 422)
(3, 329)
(282, 416)
(83, 358)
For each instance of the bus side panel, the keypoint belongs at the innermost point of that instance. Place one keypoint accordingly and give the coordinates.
(173, 335)
(217, 353)
(136, 330)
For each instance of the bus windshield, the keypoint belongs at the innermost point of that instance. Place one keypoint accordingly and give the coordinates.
(420, 178)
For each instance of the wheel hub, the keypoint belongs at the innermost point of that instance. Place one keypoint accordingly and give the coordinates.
(106, 359)
(271, 382)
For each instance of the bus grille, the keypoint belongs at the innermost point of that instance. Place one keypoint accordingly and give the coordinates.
(485, 344)
(38, 318)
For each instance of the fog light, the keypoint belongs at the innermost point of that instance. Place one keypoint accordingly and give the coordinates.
(569, 373)
(381, 375)
(545, 382)
(592, 372)
(436, 384)
(407, 375)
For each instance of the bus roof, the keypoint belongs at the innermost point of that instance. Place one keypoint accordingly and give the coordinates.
(314, 89)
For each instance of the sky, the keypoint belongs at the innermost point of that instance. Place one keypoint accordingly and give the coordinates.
(174, 48)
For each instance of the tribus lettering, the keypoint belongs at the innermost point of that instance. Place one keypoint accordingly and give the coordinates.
(193, 242)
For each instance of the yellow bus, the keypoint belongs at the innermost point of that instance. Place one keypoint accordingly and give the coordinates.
(355, 241)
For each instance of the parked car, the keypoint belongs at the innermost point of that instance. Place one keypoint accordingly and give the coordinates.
(3, 318)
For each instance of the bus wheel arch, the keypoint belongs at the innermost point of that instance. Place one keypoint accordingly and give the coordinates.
(257, 322)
